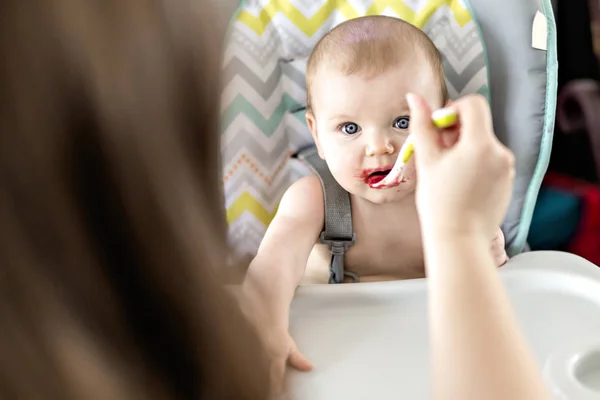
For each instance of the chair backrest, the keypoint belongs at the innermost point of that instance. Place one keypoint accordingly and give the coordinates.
(523, 87)
(486, 48)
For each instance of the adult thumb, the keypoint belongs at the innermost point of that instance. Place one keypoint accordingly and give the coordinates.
(423, 131)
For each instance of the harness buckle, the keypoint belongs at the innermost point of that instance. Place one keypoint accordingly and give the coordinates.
(338, 247)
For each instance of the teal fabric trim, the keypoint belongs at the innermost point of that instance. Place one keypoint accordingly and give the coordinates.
(547, 136)
(484, 91)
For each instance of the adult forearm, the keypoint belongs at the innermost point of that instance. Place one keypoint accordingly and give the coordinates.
(478, 350)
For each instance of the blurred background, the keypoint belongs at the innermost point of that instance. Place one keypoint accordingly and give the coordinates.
(567, 215)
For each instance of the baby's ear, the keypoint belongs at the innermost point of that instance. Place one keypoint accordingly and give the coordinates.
(311, 122)
(312, 126)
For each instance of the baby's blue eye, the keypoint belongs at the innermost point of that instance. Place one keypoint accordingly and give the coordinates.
(350, 128)
(402, 123)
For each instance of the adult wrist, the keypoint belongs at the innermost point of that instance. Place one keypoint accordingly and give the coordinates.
(450, 228)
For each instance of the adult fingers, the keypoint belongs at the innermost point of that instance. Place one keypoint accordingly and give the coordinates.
(423, 131)
(475, 119)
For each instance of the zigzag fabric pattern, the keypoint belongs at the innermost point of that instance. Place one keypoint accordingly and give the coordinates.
(264, 90)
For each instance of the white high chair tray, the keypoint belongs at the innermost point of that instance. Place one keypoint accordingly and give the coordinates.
(370, 341)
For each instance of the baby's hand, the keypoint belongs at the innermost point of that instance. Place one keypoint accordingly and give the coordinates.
(280, 347)
(498, 251)
(283, 351)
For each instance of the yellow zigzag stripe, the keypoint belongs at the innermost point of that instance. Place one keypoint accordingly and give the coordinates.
(310, 25)
(247, 202)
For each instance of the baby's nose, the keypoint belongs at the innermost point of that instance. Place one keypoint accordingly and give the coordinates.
(379, 145)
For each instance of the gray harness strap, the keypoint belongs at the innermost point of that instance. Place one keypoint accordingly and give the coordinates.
(337, 233)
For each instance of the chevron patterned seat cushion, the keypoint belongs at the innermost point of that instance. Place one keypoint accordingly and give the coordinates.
(264, 90)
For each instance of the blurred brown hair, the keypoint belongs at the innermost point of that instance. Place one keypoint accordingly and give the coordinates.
(111, 218)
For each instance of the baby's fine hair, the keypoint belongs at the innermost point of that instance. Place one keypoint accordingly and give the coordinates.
(371, 45)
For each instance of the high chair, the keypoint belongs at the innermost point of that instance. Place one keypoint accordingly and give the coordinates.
(369, 340)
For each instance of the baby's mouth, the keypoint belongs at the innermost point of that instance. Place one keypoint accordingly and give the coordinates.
(376, 177)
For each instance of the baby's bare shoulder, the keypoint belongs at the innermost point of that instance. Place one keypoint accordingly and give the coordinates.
(300, 212)
(304, 199)
(297, 223)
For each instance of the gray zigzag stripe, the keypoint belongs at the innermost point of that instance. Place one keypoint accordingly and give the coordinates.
(295, 47)
(252, 228)
(263, 52)
(459, 81)
(294, 74)
(457, 44)
(460, 47)
(265, 88)
(244, 239)
(268, 158)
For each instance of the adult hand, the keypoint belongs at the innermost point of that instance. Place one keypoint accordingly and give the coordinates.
(464, 186)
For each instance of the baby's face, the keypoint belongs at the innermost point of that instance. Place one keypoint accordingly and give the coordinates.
(360, 124)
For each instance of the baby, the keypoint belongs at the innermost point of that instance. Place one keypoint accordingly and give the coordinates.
(357, 78)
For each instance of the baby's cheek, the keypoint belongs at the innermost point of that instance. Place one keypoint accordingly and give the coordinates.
(343, 172)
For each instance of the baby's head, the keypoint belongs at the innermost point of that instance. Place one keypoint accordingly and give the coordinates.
(357, 79)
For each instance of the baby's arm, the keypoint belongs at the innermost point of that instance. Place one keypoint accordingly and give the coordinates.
(277, 269)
